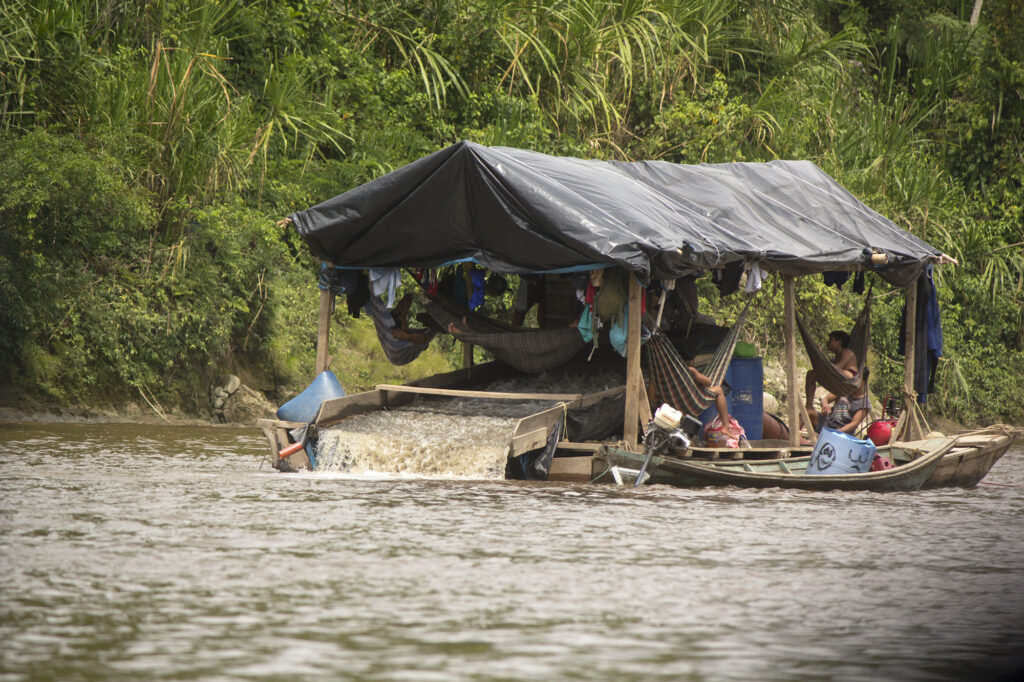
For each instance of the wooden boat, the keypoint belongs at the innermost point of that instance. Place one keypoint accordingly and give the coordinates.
(971, 458)
(573, 462)
(919, 459)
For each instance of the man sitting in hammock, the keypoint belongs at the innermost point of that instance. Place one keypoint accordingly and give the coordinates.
(845, 361)
(842, 413)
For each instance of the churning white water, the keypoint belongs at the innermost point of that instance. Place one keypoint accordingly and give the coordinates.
(467, 437)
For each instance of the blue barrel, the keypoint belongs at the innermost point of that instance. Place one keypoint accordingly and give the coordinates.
(747, 396)
(840, 453)
(708, 415)
(304, 406)
(746, 399)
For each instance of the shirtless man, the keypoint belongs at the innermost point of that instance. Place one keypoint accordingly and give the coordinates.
(845, 361)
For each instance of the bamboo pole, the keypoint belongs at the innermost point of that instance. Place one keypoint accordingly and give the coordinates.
(323, 331)
(912, 427)
(631, 423)
(792, 386)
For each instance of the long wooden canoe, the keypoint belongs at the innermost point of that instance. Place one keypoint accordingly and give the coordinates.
(920, 460)
(972, 457)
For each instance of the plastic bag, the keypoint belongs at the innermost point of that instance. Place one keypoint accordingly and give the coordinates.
(715, 438)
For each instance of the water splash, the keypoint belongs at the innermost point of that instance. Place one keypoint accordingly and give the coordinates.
(433, 436)
(414, 442)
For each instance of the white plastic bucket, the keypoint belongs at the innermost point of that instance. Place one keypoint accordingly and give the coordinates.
(840, 453)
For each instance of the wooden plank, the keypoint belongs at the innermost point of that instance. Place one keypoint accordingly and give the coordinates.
(579, 447)
(573, 469)
(645, 415)
(792, 388)
(911, 429)
(630, 423)
(546, 418)
(274, 423)
(323, 331)
(493, 395)
(528, 441)
(812, 435)
(272, 441)
(334, 410)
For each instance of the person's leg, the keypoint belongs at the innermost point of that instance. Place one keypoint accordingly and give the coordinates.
(400, 313)
(810, 386)
(723, 411)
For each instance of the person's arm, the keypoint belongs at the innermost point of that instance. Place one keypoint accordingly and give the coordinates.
(855, 421)
(827, 401)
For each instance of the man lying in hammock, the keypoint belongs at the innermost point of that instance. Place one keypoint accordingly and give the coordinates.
(845, 361)
(401, 330)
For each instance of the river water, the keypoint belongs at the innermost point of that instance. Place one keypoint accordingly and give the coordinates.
(140, 552)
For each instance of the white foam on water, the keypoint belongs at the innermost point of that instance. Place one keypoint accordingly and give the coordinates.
(412, 442)
(459, 437)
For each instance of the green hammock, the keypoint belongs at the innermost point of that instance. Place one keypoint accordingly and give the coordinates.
(827, 374)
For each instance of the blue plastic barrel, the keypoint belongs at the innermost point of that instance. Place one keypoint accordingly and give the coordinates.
(745, 376)
(840, 453)
(747, 396)
(304, 406)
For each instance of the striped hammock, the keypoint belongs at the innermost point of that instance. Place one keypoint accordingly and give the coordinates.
(528, 350)
(669, 374)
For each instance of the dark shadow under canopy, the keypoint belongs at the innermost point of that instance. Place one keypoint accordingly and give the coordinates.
(518, 211)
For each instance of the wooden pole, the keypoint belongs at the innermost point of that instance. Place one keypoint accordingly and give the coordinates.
(631, 423)
(467, 355)
(912, 428)
(792, 386)
(323, 331)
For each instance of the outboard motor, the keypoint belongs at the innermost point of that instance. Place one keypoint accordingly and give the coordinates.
(669, 430)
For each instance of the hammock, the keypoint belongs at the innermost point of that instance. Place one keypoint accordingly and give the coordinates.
(528, 350)
(827, 374)
(398, 351)
(674, 384)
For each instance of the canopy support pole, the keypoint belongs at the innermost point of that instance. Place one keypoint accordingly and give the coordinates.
(630, 429)
(323, 331)
(911, 428)
(792, 387)
(467, 355)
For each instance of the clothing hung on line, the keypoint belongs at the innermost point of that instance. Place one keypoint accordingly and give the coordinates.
(927, 335)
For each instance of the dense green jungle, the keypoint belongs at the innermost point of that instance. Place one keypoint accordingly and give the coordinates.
(148, 151)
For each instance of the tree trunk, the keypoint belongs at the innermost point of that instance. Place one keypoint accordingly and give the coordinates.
(976, 13)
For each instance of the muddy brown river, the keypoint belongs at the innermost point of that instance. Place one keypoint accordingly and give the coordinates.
(168, 553)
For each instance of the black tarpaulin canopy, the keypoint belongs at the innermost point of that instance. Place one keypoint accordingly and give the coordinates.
(517, 211)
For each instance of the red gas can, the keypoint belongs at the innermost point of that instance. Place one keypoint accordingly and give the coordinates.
(880, 431)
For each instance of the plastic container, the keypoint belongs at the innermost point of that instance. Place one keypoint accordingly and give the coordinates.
(745, 377)
(304, 406)
(840, 453)
(667, 418)
(747, 395)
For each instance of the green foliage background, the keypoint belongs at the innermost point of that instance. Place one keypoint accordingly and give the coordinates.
(147, 150)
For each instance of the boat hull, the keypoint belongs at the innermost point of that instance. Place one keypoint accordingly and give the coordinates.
(921, 458)
(972, 458)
